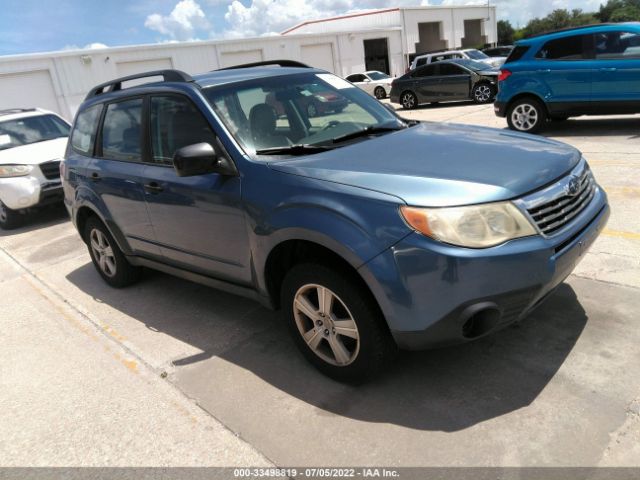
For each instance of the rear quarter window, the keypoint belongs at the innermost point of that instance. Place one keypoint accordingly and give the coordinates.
(517, 53)
(84, 130)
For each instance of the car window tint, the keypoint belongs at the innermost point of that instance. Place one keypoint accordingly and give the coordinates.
(617, 46)
(84, 130)
(121, 131)
(427, 71)
(176, 123)
(421, 61)
(450, 69)
(567, 48)
(516, 54)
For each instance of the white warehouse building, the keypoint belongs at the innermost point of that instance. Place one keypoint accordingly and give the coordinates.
(372, 40)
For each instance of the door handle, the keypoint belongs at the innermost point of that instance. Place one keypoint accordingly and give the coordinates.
(95, 177)
(153, 187)
(612, 69)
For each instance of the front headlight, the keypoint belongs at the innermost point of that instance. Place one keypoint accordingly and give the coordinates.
(7, 171)
(475, 226)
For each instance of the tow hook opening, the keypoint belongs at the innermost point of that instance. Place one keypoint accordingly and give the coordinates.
(481, 319)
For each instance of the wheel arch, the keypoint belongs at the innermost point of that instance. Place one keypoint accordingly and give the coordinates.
(522, 95)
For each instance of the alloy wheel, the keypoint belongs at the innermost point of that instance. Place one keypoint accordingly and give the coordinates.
(525, 117)
(482, 93)
(326, 325)
(103, 252)
(408, 101)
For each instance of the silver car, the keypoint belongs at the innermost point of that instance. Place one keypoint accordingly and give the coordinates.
(373, 82)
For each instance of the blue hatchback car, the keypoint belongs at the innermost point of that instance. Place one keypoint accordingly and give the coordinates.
(370, 232)
(591, 70)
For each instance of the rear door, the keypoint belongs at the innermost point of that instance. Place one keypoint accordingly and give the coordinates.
(454, 83)
(616, 74)
(563, 66)
(426, 83)
(116, 174)
(199, 220)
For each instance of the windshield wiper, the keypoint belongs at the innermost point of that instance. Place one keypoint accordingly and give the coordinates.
(365, 132)
(299, 149)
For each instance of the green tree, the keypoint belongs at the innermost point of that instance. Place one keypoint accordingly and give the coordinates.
(619, 11)
(559, 18)
(505, 32)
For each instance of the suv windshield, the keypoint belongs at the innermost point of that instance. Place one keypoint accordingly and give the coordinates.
(26, 130)
(476, 55)
(378, 76)
(312, 110)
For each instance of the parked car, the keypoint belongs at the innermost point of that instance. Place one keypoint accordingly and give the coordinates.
(445, 81)
(32, 142)
(581, 71)
(314, 101)
(462, 231)
(501, 51)
(469, 54)
(373, 82)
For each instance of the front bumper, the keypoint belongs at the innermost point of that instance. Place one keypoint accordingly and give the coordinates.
(19, 193)
(430, 291)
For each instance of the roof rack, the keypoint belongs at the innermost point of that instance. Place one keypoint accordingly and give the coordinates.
(570, 29)
(281, 63)
(9, 111)
(115, 85)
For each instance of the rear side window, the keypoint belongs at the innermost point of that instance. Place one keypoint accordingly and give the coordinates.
(617, 46)
(567, 48)
(84, 130)
(421, 61)
(121, 131)
(449, 69)
(427, 71)
(517, 53)
(176, 123)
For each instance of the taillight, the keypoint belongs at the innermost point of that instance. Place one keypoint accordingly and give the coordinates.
(504, 74)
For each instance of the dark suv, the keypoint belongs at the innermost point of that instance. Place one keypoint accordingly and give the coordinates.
(369, 231)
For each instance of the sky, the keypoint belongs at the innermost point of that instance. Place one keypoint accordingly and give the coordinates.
(29, 26)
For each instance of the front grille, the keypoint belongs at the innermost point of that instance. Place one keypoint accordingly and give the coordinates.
(51, 170)
(556, 213)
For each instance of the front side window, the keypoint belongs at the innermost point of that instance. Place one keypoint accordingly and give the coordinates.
(176, 123)
(27, 130)
(121, 131)
(84, 130)
(309, 109)
(617, 46)
(567, 48)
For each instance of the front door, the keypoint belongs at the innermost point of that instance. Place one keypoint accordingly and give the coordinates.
(616, 76)
(455, 82)
(198, 221)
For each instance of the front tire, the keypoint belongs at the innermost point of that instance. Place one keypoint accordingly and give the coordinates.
(409, 100)
(379, 93)
(9, 219)
(107, 257)
(335, 323)
(482, 93)
(526, 115)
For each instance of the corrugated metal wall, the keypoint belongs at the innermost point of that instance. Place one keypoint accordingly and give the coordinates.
(73, 74)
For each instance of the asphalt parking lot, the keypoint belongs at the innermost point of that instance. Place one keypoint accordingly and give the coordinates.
(561, 388)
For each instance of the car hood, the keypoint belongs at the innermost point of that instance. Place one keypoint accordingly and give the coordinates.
(434, 164)
(35, 153)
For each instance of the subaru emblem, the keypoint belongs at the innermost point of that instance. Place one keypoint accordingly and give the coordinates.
(573, 187)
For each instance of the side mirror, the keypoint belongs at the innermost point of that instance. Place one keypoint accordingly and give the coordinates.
(200, 159)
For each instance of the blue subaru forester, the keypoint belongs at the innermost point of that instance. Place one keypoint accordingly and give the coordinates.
(591, 70)
(370, 232)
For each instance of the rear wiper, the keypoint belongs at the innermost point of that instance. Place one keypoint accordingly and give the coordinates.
(299, 149)
(365, 132)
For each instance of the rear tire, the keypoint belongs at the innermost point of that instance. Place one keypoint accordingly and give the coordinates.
(107, 257)
(526, 115)
(408, 100)
(9, 219)
(345, 336)
(379, 93)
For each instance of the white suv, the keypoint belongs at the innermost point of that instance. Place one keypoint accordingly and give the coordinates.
(32, 142)
(469, 53)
